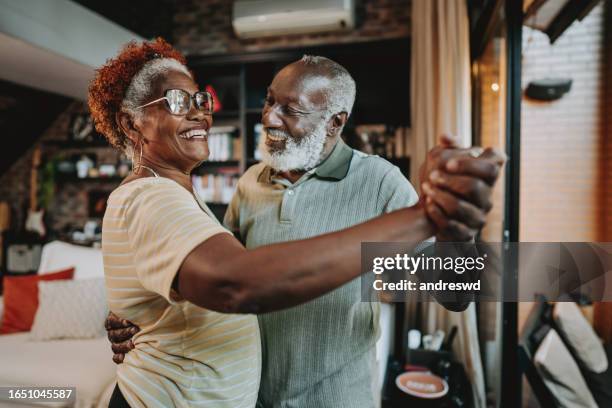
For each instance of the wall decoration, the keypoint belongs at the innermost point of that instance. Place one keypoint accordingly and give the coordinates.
(81, 127)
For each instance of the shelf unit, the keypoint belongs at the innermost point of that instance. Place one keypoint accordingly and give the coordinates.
(74, 148)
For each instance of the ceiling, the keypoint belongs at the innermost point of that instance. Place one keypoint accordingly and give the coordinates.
(137, 15)
(49, 51)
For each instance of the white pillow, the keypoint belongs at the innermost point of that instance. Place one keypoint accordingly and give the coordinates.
(69, 309)
(57, 255)
(580, 336)
(561, 373)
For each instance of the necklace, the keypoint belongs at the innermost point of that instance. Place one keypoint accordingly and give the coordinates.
(150, 169)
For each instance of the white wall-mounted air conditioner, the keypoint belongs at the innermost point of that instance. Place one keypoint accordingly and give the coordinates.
(260, 18)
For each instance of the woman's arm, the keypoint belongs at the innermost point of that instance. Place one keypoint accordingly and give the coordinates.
(221, 275)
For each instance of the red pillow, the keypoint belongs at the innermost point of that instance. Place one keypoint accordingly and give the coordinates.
(21, 299)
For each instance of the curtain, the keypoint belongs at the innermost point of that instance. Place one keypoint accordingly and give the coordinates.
(440, 75)
(440, 103)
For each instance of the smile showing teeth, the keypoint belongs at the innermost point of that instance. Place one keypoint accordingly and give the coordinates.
(194, 134)
(275, 138)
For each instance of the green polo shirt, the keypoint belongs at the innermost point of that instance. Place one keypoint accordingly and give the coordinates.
(318, 354)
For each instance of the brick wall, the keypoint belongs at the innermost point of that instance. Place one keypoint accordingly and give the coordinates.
(566, 149)
(561, 140)
(15, 183)
(205, 27)
(69, 206)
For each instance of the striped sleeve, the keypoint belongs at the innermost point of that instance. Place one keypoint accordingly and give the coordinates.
(164, 224)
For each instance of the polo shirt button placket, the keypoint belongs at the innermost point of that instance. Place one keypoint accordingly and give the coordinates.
(288, 206)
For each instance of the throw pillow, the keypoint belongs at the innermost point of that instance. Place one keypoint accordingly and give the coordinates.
(580, 336)
(70, 310)
(561, 373)
(21, 299)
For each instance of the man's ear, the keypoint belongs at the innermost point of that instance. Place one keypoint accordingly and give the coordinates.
(336, 123)
(126, 123)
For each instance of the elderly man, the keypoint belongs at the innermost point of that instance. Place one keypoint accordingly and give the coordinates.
(321, 354)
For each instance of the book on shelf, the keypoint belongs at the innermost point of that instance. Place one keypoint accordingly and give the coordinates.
(215, 188)
(222, 144)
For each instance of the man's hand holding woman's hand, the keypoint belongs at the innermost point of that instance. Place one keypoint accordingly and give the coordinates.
(120, 332)
(456, 185)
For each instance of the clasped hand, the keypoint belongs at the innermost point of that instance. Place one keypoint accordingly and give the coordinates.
(457, 185)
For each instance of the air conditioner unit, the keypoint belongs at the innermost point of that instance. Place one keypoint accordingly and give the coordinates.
(260, 18)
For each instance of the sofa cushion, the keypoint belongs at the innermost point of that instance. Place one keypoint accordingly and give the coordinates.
(87, 262)
(580, 337)
(21, 299)
(70, 310)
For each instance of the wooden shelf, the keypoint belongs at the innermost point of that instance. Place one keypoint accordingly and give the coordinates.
(227, 114)
(224, 163)
(208, 165)
(72, 178)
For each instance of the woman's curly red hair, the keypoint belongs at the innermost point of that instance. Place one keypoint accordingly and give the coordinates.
(107, 89)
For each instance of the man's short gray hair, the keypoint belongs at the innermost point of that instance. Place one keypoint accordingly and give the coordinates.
(340, 95)
(141, 87)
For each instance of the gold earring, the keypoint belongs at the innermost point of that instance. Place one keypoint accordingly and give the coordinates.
(136, 169)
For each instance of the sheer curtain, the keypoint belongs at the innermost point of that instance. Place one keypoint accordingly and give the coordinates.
(440, 103)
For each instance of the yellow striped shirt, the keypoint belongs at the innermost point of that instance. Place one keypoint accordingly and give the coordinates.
(184, 355)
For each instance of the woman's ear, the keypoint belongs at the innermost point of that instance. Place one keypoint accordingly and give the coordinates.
(127, 125)
(336, 123)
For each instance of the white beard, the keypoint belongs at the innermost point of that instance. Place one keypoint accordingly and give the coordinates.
(305, 155)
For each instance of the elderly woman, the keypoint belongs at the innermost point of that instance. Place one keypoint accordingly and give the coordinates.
(173, 270)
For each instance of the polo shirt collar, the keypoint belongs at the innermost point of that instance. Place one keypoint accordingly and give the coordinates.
(335, 166)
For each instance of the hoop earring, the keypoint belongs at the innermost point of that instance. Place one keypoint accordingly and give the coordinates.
(136, 169)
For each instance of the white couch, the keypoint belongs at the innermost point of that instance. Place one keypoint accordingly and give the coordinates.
(84, 364)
